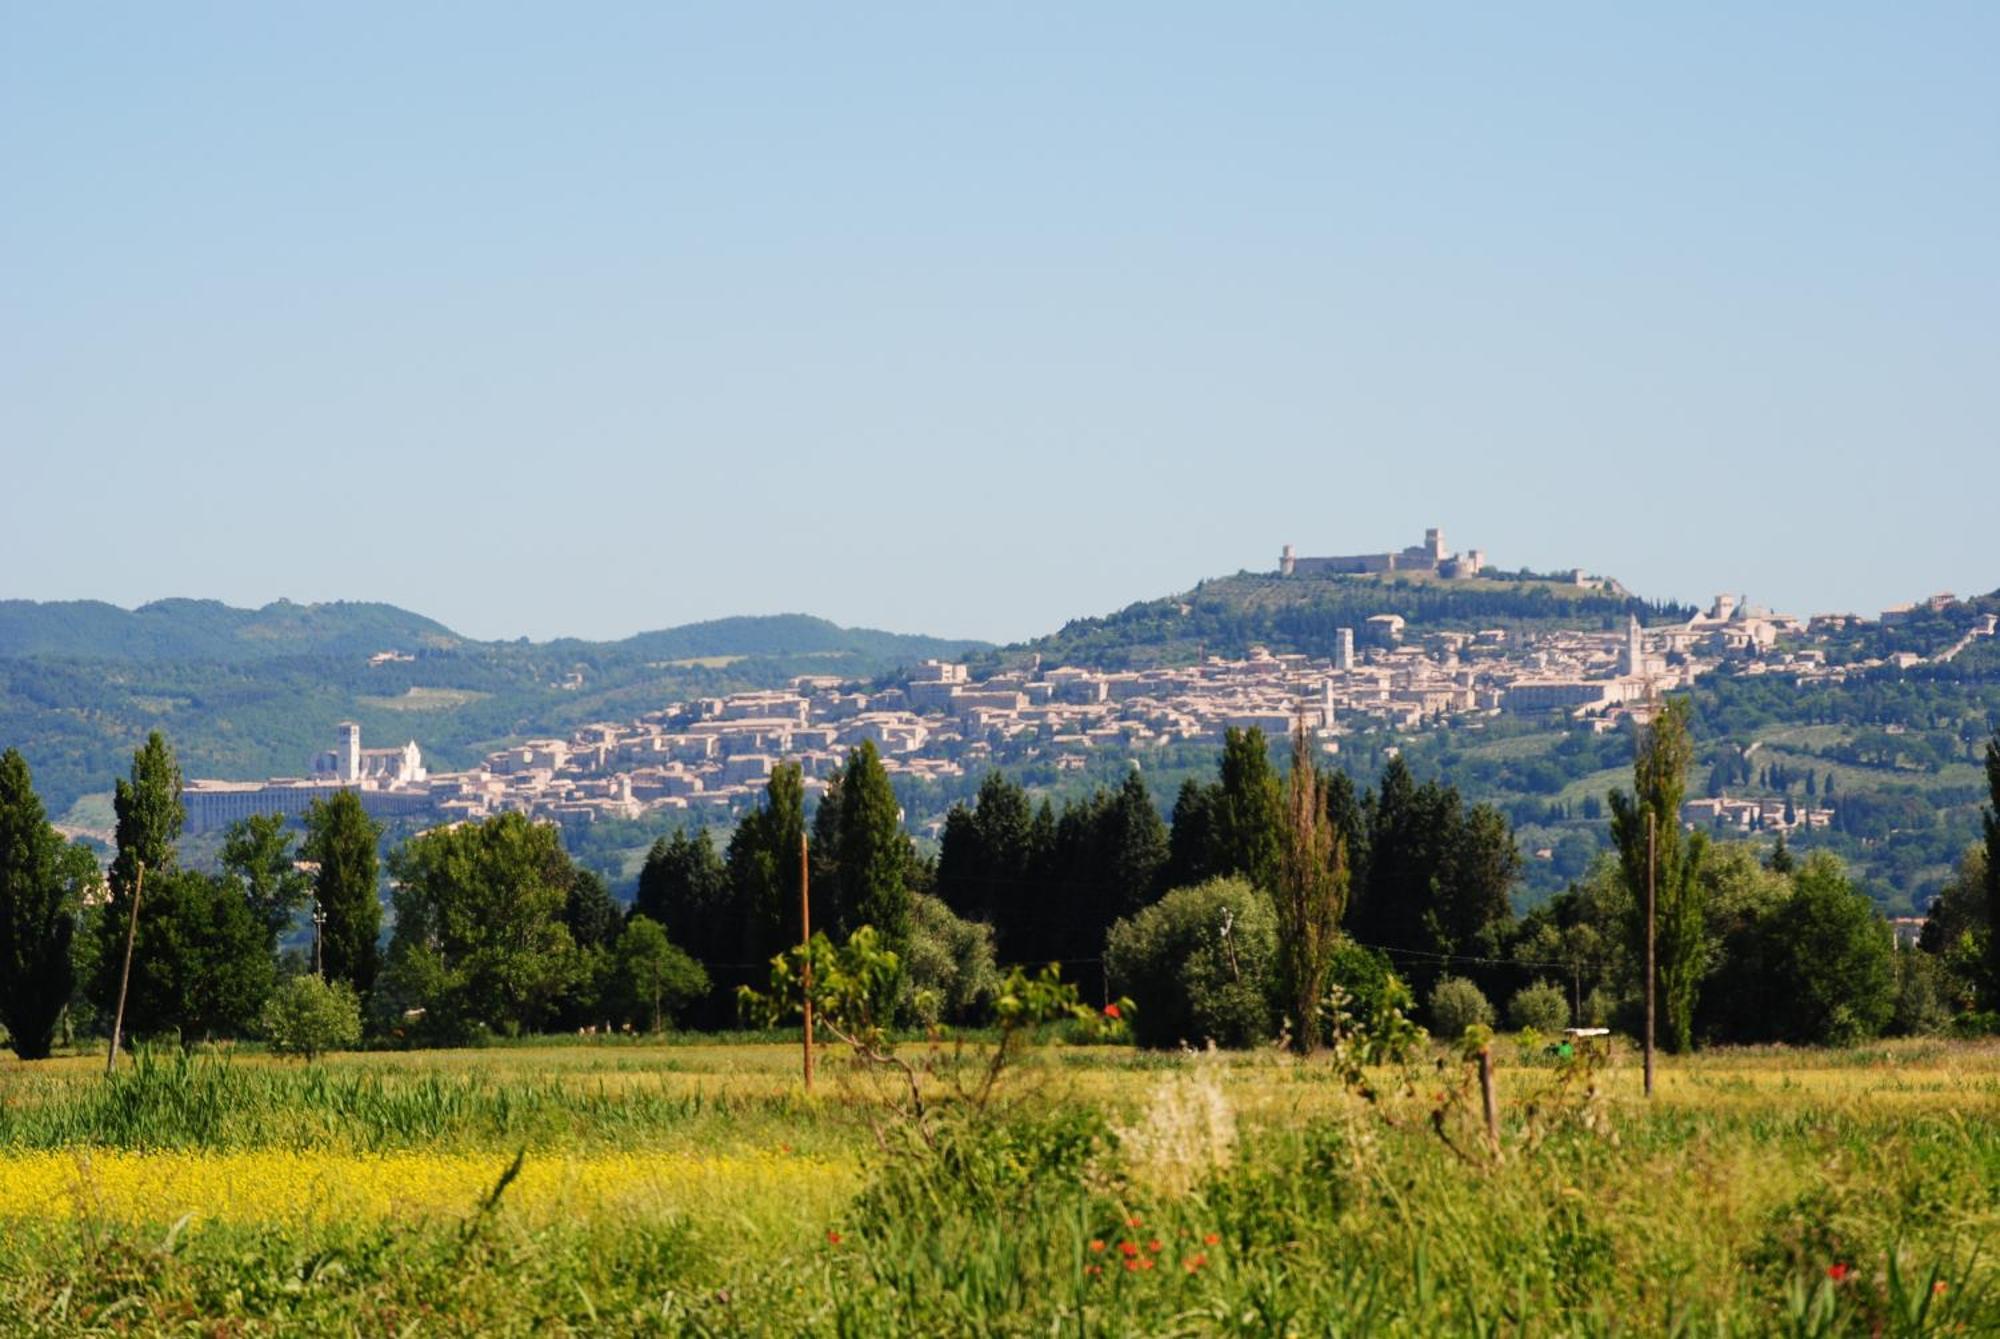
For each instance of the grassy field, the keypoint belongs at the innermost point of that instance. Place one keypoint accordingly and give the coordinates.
(692, 1188)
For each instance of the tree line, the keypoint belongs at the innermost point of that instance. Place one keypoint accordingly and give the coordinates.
(1234, 919)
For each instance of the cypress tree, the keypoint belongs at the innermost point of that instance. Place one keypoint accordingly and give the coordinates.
(41, 885)
(684, 888)
(342, 839)
(1136, 840)
(763, 865)
(1247, 809)
(824, 864)
(874, 851)
(1192, 847)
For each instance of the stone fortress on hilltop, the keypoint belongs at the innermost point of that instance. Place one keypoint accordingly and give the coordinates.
(1428, 557)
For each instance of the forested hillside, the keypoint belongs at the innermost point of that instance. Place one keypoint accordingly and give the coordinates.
(254, 693)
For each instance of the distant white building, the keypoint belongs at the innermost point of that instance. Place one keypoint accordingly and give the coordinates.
(349, 764)
(390, 782)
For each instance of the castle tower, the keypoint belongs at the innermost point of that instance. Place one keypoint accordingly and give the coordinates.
(1635, 649)
(1434, 544)
(1287, 561)
(1343, 649)
(348, 753)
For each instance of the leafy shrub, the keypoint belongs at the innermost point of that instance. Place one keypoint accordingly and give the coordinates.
(308, 1015)
(948, 966)
(1200, 964)
(1923, 1003)
(1541, 1007)
(1457, 1004)
(1368, 985)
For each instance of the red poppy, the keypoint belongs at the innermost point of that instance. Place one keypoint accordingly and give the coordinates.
(1195, 1261)
(1837, 1272)
(1154, 1245)
(1093, 1270)
(1097, 1247)
(1210, 1240)
(1128, 1249)
(1131, 1266)
(1143, 1262)
(833, 1239)
(1133, 1221)
(1937, 1287)
(1112, 1011)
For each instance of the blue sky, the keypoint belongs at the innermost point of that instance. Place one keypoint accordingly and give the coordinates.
(967, 320)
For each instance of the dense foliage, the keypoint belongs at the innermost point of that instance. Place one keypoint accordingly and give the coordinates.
(1312, 897)
(42, 881)
(1200, 965)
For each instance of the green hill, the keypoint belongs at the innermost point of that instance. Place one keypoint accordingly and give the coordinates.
(1228, 615)
(210, 630)
(252, 693)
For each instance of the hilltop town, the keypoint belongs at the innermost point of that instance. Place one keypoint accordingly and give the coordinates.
(712, 756)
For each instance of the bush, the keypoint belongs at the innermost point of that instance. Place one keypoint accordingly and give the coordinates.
(948, 971)
(1370, 985)
(1541, 1006)
(1200, 966)
(308, 1015)
(1457, 1004)
(1923, 1003)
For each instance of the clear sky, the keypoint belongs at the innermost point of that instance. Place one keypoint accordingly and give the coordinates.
(969, 319)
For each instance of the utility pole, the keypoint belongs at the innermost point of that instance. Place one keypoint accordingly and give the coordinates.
(805, 948)
(1651, 970)
(125, 977)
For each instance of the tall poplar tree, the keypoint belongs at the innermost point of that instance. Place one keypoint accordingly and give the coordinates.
(149, 821)
(342, 840)
(1312, 886)
(1659, 781)
(42, 879)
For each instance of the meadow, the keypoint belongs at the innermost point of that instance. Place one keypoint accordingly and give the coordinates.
(691, 1187)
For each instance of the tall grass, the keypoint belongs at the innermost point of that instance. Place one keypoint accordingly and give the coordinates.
(1765, 1193)
(173, 1100)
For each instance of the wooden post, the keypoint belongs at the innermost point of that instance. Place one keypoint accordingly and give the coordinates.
(125, 977)
(1651, 970)
(1488, 1100)
(805, 942)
